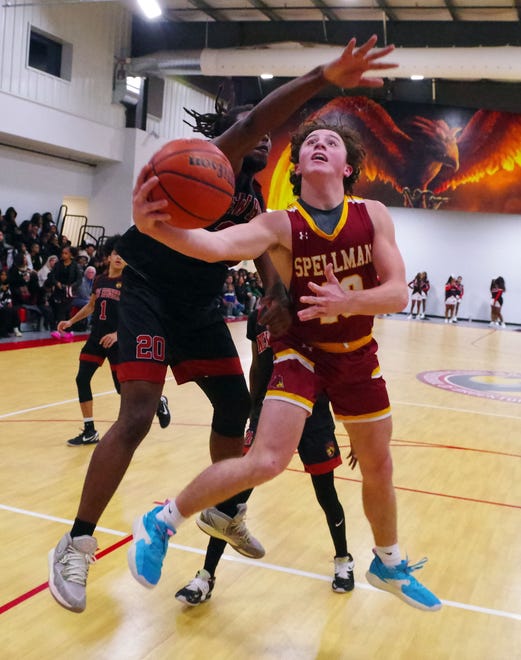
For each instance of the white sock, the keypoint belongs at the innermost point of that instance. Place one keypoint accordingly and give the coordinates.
(389, 554)
(170, 515)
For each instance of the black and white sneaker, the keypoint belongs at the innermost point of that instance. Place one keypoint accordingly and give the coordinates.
(344, 579)
(163, 412)
(84, 438)
(198, 590)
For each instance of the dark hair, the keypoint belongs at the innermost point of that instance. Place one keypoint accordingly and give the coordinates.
(500, 283)
(212, 124)
(351, 140)
(111, 244)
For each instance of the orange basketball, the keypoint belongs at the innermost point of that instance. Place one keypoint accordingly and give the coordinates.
(196, 179)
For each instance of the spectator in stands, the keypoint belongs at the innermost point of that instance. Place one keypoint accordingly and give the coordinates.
(243, 291)
(232, 306)
(47, 221)
(64, 241)
(256, 290)
(10, 228)
(24, 285)
(45, 270)
(5, 251)
(22, 249)
(83, 295)
(53, 246)
(66, 277)
(9, 319)
(36, 256)
(90, 250)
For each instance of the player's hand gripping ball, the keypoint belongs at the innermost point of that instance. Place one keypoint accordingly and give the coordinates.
(196, 179)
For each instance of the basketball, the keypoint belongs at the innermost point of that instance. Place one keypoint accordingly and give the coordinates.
(196, 179)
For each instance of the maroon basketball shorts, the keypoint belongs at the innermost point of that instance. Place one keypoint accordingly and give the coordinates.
(352, 380)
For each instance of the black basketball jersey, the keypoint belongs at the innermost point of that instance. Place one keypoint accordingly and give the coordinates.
(194, 283)
(105, 316)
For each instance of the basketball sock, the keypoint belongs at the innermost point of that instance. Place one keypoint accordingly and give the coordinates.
(88, 424)
(82, 528)
(389, 554)
(214, 553)
(170, 515)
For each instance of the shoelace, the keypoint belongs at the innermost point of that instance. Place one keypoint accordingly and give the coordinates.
(76, 565)
(409, 568)
(238, 526)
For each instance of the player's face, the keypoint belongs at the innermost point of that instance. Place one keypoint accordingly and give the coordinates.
(117, 261)
(256, 159)
(323, 151)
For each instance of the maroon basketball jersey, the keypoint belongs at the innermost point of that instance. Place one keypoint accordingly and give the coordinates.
(349, 249)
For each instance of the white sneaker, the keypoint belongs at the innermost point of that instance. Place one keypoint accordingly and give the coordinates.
(446, 320)
(17, 332)
(344, 580)
(422, 316)
(198, 590)
(409, 317)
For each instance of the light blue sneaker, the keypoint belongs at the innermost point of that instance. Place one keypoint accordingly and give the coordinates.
(148, 549)
(399, 581)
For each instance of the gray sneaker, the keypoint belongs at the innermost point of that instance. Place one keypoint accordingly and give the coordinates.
(232, 530)
(68, 569)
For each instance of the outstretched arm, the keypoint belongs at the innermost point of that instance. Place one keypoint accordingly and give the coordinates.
(347, 70)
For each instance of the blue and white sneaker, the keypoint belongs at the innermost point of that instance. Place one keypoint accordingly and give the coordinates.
(148, 549)
(399, 581)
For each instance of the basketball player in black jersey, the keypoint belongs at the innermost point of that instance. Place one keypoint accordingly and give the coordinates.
(103, 308)
(161, 326)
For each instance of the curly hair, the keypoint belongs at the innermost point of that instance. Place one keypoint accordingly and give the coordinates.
(212, 124)
(351, 140)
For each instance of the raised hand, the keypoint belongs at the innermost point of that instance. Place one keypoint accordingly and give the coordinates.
(348, 70)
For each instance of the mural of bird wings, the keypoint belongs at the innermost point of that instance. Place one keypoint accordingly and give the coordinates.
(422, 157)
(490, 142)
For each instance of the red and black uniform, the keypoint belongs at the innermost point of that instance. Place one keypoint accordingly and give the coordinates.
(336, 355)
(170, 316)
(104, 321)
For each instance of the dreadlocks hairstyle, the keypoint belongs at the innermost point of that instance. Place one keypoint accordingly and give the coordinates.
(355, 151)
(212, 124)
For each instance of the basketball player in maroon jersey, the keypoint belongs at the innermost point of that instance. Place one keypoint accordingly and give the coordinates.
(165, 323)
(339, 259)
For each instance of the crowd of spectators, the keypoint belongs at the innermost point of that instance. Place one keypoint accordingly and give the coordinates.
(42, 276)
(242, 291)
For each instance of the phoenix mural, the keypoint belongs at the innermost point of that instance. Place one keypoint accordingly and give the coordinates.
(452, 159)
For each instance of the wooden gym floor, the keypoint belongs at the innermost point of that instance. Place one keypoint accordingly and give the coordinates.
(457, 463)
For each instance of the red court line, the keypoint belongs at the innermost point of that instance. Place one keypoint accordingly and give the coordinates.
(425, 492)
(41, 587)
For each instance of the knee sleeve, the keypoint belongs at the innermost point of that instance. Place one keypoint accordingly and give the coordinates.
(230, 399)
(83, 378)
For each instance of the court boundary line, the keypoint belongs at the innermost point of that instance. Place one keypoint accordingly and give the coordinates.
(242, 560)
